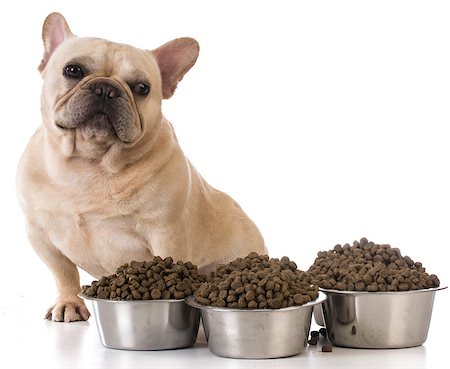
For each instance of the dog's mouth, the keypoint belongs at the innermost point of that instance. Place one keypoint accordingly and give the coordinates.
(99, 117)
(98, 127)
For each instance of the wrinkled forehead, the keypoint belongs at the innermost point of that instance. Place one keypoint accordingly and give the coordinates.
(103, 57)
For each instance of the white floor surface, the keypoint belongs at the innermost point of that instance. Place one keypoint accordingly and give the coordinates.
(28, 341)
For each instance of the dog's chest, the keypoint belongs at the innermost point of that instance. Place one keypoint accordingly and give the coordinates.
(100, 239)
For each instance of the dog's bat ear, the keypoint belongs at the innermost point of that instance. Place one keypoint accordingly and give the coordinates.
(174, 59)
(54, 31)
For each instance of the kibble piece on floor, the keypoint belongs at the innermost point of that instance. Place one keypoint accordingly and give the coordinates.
(327, 348)
(312, 342)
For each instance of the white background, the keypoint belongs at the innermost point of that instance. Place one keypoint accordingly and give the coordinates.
(327, 121)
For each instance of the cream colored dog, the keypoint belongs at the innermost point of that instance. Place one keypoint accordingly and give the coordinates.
(103, 180)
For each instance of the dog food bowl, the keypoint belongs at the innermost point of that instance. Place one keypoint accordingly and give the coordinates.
(145, 325)
(378, 319)
(256, 333)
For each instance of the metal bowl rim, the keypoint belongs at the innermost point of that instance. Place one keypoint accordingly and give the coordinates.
(171, 301)
(191, 302)
(390, 293)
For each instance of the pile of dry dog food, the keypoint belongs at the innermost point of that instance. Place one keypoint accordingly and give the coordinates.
(367, 266)
(150, 280)
(257, 282)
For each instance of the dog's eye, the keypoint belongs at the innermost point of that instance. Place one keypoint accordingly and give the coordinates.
(73, 71)
(141, 89)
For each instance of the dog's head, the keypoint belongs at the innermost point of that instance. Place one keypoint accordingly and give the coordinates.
(97, 93)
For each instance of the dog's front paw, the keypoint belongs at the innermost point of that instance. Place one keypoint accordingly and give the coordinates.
(68, 310)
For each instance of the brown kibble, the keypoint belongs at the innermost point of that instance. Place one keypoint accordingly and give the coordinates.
(182, 286)
(203, 291)
(258, 282)
(155, 294)
(160, 285)
(136, 295)
(103, 295)
(90, 291)
(170, 282)
(367, 266)
(225, 285)
(327, 348)
(120, 281)
(223, 294)
(250, 296)
(136, 280)
(236, 284)
(203, 300)
(262, 304)
(213, 294)
(240, 290)
(124, 294)
(220, 302)
(367, 279)
(179, 295)
(242, 302)
(260, 291)
(274, 303)
(261, 298)
(168, 261)
(252, 305)
(299, 299)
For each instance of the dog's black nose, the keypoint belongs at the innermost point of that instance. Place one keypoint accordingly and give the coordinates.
(105, 90)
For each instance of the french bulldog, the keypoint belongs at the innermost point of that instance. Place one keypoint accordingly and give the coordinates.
(103, 180)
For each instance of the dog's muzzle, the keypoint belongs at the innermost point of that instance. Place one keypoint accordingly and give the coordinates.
(98, 103)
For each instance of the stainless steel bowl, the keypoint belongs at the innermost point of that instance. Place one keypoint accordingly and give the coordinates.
(378, 319)
(256, 333)
(145, 325)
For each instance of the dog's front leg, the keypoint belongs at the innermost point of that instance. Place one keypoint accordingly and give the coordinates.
(68, 307)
